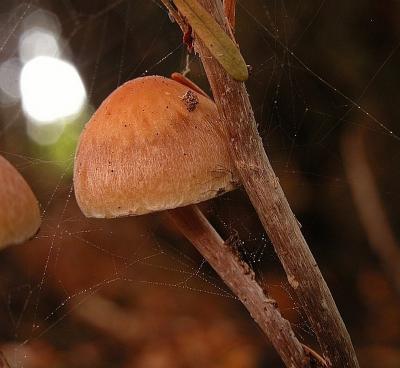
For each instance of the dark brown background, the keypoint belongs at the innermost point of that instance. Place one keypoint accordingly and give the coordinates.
(118, 293)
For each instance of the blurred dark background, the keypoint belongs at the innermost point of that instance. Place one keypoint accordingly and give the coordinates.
(131, 292)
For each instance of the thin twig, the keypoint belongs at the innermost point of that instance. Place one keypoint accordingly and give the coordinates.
(230, 10)
(272, 207)
(3, 361)
(316, 360)
(180, 78)
(241, 280)
(369, 205)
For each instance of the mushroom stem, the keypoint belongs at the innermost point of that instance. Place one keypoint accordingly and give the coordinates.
(241, 280)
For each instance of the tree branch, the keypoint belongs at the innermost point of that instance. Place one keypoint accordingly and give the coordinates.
(272, 207)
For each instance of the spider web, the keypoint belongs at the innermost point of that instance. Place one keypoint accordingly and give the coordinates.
(306, 94)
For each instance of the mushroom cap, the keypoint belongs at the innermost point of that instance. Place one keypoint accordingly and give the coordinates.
(19, 209)
(153, 144)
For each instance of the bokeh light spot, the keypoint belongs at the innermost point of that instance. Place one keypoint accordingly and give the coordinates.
(9, 75)
(51, 89)
(38, 42)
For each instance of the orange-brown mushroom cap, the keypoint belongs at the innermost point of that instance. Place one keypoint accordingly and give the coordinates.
(153, 144)
(19, 209)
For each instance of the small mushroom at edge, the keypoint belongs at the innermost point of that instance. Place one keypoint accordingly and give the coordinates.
(19, 208)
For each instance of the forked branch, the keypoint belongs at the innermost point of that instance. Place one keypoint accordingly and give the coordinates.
(239, 277)
(272, 207)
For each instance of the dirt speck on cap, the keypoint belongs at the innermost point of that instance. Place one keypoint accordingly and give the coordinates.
(191, 100)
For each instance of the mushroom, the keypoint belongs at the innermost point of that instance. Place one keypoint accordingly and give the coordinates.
(19, 209)
(156, 144)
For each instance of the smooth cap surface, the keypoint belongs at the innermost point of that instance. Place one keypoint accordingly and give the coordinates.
(19, 209)
(153, 144)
